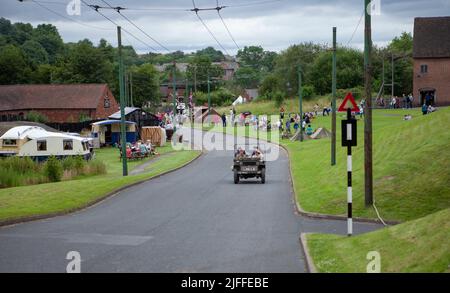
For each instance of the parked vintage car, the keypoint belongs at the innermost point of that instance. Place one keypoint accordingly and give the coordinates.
(248, 165)
(39, 144)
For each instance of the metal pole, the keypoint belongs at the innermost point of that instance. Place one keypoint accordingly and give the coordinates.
(123, 137)
(174, 92)
(300, 100)
(131, 88)
(392, 75)
(368, 163)
(127, 98)
(333, 104)
(349, 178)
(209, 98)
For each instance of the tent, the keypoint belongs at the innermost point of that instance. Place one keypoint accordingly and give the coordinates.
(201, 115)
(156, 135)
(239, 100)
(318, 134)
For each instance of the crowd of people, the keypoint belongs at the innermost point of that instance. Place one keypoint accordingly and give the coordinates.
(138, 150)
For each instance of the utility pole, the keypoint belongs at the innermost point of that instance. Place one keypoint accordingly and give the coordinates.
(127, 98)
(123, 137)
(131, 88)
(209, 98)
(333, 104)
(300, 100)
(174, 92)
(392, 75)
(368, 163)
(195, 79)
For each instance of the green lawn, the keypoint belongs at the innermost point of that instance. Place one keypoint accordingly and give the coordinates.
(411, 173)
(43, 199)
(417, 246)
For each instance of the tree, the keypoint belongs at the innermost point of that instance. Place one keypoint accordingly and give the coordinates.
(287, 62)
(145, 85)
(35, 52)
(248, 77)
(84, 64)
(251, 56)
(270, 85)
(349, 70)
(199, 69)
(401, 47)
(48, 36)
(213, 54)
(13, 65)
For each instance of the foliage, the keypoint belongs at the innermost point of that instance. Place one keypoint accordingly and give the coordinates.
(145, 85)
(53, 169)
(200, 68)
(34, 116)
(13, 65)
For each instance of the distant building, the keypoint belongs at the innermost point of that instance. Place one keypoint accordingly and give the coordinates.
(229, 68)
(60, 103)
(432, 60)
(250, 94)
(140, 117)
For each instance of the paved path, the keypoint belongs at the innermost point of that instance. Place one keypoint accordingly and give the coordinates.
(192, 220)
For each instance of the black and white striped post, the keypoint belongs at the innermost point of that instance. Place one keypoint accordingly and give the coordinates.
(349, 177)
(348, 140)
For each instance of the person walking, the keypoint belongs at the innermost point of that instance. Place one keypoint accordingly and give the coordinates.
(224, 120)
(424, 109)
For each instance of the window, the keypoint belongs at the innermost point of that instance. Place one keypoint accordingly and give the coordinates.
(423, 68)
(9, 142)
(41, 145)
(106, 102)
(68, 144)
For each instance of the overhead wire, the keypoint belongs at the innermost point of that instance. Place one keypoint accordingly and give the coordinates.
(225, 25)
(196, 10)
(118, 9)
(39, 3)
(356, 28)
(116, 24)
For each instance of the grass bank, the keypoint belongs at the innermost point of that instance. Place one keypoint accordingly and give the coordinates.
(49, 198)
(417, 246)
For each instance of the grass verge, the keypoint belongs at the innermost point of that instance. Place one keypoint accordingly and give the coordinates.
(417, 246)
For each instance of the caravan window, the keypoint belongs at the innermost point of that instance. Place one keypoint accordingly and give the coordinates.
(67, 144)
(41, 145)
(9, 142)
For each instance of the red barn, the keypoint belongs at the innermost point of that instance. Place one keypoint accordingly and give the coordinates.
(60, 103)
(432, 60)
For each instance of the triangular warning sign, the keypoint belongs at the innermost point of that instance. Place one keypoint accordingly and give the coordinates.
(349, 102)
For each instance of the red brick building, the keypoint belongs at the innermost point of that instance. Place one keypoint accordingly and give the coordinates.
(60, 103)
(432, 60)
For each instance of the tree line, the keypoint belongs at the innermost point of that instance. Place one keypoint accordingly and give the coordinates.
(38, 55)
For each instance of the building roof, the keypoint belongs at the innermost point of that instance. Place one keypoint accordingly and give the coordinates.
(127, 111)
(432, 37)
(109, 122)
(35, 132)
(51, 96)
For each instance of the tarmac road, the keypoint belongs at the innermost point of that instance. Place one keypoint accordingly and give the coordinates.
(192, 220)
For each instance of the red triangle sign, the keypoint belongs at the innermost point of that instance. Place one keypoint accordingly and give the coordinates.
(349, 102)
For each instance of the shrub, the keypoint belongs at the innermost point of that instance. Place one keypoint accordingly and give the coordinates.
(278, 97)
(95, 167)
(34, 116)
(53, 169)
(308, 91)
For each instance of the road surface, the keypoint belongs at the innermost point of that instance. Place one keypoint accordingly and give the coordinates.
(192, 220)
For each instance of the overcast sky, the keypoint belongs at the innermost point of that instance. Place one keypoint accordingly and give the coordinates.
(272, 24)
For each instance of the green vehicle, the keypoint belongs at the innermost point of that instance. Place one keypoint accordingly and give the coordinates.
(248, 165)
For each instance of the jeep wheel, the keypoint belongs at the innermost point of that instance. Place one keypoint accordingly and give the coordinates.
(236, 177)
(263, 176)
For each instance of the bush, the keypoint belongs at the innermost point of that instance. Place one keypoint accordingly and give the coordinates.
(34, 116)
(278, 97)
(308, 91)
(53, 169)
(95, 167)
